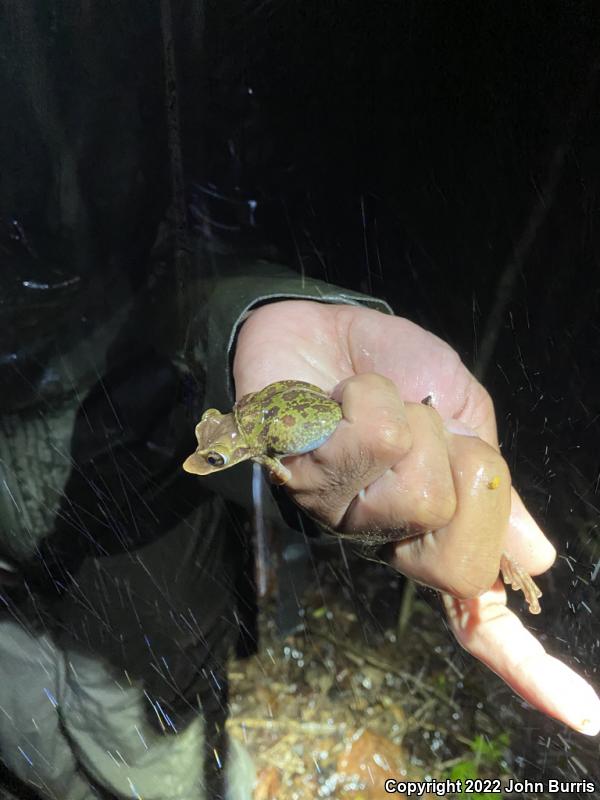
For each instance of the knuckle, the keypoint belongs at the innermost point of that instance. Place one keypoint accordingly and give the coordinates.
(374, 380)
(391, 441)
(465, 590)
(481, 454)
(433, 509)
(472, 585)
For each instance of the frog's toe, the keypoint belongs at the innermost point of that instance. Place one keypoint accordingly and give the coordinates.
(519, 579)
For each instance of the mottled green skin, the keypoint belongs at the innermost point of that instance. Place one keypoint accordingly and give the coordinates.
(284, 418)
(287, 417)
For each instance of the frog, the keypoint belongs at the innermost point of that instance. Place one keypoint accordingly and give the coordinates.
(285, 418)
(293, 417)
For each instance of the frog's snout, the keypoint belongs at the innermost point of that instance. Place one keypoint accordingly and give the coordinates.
(196, 465)
(189, 463)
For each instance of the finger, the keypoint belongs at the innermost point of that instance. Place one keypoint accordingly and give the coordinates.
(372, 436)
(526, 541)
(494, 635)
(463, 557)
(417, 494)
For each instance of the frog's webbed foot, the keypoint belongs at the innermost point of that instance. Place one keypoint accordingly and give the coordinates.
(277, 472)
(518, 578)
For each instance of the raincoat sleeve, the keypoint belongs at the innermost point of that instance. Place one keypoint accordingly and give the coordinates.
(229, 302)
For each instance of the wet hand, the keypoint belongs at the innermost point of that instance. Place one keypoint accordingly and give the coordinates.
(431, 477)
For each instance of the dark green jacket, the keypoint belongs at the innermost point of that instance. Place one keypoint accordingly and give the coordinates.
(120, 307)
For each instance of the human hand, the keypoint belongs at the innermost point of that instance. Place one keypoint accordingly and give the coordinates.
(395, 468)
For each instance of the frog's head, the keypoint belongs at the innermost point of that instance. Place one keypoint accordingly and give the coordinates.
(220, 444)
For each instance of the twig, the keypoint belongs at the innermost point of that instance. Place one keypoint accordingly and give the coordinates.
(385, 666)
(310, 728)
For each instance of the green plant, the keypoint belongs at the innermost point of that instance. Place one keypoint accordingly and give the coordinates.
(486, 758)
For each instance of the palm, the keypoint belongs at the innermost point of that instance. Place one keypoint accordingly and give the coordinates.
(325, 344)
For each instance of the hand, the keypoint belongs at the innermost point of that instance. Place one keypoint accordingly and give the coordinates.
(395, 468)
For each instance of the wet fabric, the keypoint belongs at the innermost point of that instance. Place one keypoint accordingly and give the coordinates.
(128, 260)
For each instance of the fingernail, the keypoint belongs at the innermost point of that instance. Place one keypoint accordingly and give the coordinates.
(589, 726)
(459, 428)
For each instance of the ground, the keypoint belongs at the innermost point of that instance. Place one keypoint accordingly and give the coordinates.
(355, 696)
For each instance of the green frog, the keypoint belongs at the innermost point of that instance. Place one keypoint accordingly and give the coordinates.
(290, 418)
(283, 419)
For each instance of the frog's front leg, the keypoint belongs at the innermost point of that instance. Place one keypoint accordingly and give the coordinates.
(277, 472)
(518, 578)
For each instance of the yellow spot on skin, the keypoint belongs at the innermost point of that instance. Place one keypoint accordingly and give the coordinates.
(494, 483)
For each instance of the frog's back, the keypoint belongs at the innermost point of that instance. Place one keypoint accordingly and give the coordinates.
(289, 417)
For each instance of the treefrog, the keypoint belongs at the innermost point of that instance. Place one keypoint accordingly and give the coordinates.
(290, 418)
(285, 418)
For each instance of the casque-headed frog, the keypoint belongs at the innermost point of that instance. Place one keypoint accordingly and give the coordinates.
(285, 418)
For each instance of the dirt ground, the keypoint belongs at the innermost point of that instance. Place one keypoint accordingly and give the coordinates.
(370, 686)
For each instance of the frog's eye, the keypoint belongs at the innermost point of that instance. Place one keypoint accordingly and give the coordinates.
(215, 459)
